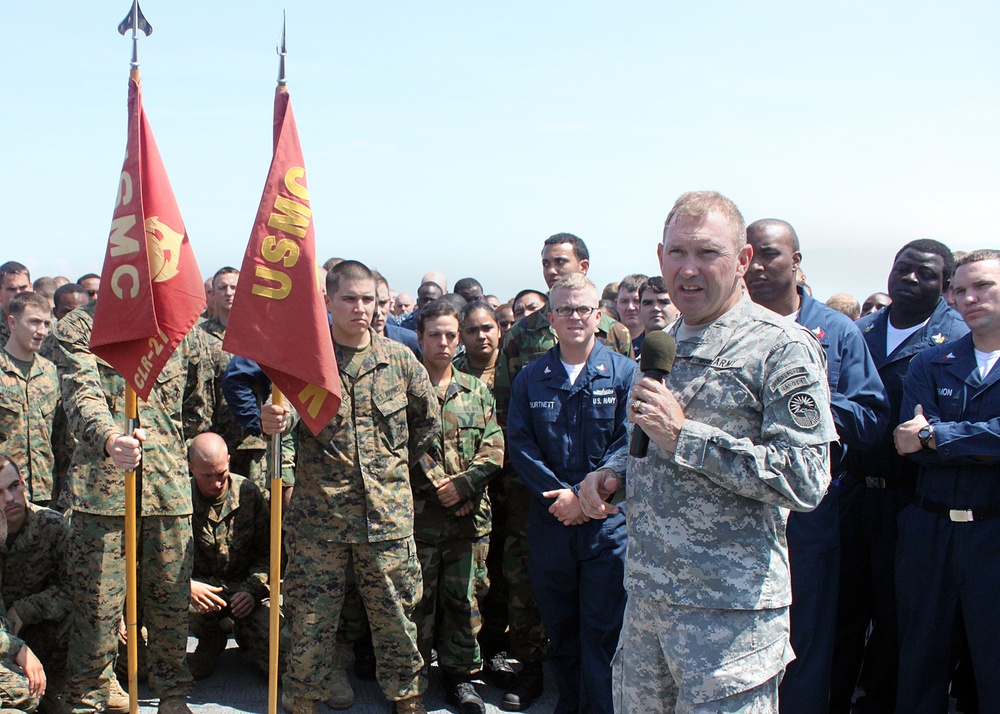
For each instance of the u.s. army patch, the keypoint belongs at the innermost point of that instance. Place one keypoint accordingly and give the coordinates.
(804, 411)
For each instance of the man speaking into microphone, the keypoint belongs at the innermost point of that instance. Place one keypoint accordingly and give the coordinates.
(739, 431)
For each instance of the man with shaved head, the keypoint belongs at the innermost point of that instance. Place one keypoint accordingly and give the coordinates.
(861, 413)
(231, 557)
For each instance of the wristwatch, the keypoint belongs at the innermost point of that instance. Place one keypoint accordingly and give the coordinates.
(925, 435)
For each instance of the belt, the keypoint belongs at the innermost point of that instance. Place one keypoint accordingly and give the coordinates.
(958, 515)
(875, 482)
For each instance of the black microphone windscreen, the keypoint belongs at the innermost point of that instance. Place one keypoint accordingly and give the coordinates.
(658, 352)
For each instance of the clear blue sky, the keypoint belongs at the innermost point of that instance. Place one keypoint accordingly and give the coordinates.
(458, 135)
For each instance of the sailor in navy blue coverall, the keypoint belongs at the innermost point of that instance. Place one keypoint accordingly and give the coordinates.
(558, 432)
(948, 556)
(881, 482)
(861, 413)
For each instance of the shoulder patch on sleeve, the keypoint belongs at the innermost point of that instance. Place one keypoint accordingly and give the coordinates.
(791, 380)
(804, 411)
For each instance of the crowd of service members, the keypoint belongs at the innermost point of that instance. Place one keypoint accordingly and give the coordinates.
(408, 534)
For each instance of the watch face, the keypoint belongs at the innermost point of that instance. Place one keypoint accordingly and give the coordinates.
(924, 435)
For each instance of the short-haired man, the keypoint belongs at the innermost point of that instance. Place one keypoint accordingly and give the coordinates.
(353, 503)
(14, 279)
(527, 302)
(882, 482)
(231, 527)
(627, 306)
(874, 302)
(46, 287)
(29, 394)
(91, 282)
(846, 304)
(246, 450)
(948, 561)
(32, 571)
(67, 298)
(380, 318)
(739, 433)
(452, 510)
(655, 309)
(94, 398)
(861, 413)
(470, 289)
(427, 292)
(403, 305)
(505, 318)
(528, 340)
(568, 414)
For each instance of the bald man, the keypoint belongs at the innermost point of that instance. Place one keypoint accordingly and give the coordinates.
(231, 558)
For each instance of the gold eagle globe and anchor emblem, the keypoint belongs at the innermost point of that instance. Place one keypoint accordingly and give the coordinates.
(163, 245)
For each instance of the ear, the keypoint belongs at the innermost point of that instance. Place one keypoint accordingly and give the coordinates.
(743, 259)
(584, 266)
(796, 260)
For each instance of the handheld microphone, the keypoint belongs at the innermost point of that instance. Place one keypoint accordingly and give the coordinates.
(656, 360)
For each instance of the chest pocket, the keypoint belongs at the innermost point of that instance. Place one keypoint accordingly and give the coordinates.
(11, 410)
(391, 409)
(471, 427)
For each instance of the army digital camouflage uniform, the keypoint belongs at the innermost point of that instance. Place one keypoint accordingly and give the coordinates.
(33, 571)
(15, 696)
(27, 412)
(706, 624)
(94, 399)
(453, 549)
(232, 551)
(526, 341)
(353, 503)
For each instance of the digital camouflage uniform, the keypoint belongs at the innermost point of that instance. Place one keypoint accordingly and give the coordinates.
(63, 441)
(4, 329)
(706, 624)
(491, 589)
(94, 399)
(453, 549)
(15, 695)
(526, 341)
(353, 504)
(33, 570)
(27, 412)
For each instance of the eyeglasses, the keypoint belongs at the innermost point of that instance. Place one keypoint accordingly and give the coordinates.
(584, 311)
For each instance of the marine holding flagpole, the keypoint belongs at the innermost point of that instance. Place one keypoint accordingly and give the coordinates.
(128, 483)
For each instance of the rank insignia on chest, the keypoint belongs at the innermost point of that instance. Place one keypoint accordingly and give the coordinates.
(938, 338)
(547, 371)
(602, 368)
(950, 355)
(819, 332)
(869, 328)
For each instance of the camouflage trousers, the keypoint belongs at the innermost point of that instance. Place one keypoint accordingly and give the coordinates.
(528, 642)
(96, 585)
(14, 693)
(388, 579)
(448, 615)
(699, 661)
(252, 633)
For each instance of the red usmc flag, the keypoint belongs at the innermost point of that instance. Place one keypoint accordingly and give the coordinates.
(151, 290)
(279, 318)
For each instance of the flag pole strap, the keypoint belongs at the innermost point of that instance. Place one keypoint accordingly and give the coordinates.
(131, 543)
(274, 581)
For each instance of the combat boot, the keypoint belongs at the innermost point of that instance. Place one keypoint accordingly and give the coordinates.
(176, 704)
(527, 688)
(341, 692)
(499, 672)
(461, 692)
(413, 705)
(202, 661)
(117, 697)
(297, 705)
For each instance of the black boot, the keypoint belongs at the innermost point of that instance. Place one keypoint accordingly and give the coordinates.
(527, 688)
(461, 692)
